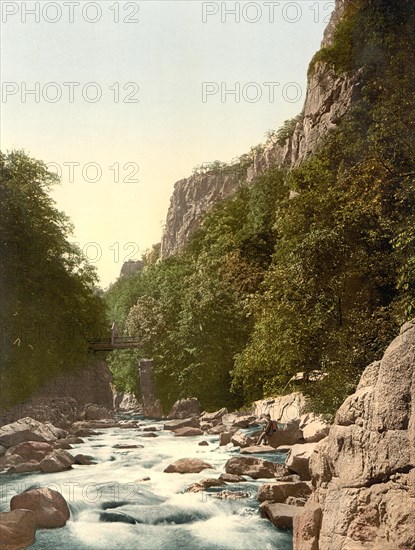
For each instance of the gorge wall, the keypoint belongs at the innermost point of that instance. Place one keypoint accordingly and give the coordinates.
(328, 97)
(363, 473)
(62, 400)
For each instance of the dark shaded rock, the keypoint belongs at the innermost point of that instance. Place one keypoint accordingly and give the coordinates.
(116, 517)
(185, 408)
(232, 478)
(182, 423)
(203, 443)
(187, 432)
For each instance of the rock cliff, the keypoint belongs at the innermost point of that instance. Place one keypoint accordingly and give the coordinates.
(363, 473)
(62, 400)
(327, 99)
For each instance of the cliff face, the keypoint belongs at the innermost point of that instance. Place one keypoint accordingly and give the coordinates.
(363, 473)
(327, 99)
(62, 400)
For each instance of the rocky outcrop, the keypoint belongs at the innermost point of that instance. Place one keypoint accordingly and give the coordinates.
(151, 405)
(363, 473)
(28, 429)
(124, 401)
(283, 409)
(328, 97)
(281, 515)
(62, 400)
(298, 460)
(130, 267)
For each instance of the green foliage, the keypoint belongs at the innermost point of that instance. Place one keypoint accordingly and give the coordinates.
(272, 283)
(49, 302)
(287, 129)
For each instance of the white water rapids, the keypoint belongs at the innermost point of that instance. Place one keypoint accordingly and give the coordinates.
(113, 509)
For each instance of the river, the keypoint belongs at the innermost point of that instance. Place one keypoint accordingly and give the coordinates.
(106, 499)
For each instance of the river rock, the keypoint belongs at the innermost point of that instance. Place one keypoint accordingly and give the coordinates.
(254, 467)
(149, 434)
(187, 432)
(92, 411)
(238, 420)
(218, 429)
(257, 449)
(366, 463)
(306, 528)
(57, 461)
(184, 408)
(127, 446)
(187, 466)
(281, 515)
(84, 460)
(241, 440)
(30, 450)
(298, 459)
(314, 428)
(232, 478)
(280, 491)
(225, 438)
(289, 435)
(231, 495)
(25, 467)
(203, 443)
(150, 429)
(205, 484)
(49, 507)
(17, 529)
(211, 417)
(26, 429)
(182, 423)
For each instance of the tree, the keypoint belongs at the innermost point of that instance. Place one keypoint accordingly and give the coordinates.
(49, 303)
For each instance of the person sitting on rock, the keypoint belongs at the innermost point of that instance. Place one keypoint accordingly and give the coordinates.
(269, 430)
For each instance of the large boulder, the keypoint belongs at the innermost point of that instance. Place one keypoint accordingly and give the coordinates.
(174, 425)
(57, 461)
(279, 491)
(238, 420)
(241, 440)
(187, 466)
(184, 408)
(187, 432)
(298, 459)
(281, 515)
(17, 529)
(284, 408)
(289, 434)
(257, 449)
(50, 508)
(366, 465)
(254, 467)
(306, 528)
(26, 429)
(214, 416)
(225, 438)
(92, 411)
(29, 450)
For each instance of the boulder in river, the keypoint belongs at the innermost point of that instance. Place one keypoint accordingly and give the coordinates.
(30, 450)
(187, 466)
(314, 428)
(254, 467)
(212, 417)
(17, 529)
(204, 484)
(281, 515)
(57, 461)
(173, 425)
(187, 432)
(257, 449)
(232, 478)
(26, 429)
(50, 508)
(239, 439)
(225, 438)
(184, 408)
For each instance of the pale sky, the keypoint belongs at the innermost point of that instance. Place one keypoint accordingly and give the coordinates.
(125, 98)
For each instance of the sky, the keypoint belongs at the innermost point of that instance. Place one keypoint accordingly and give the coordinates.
(124, 98)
